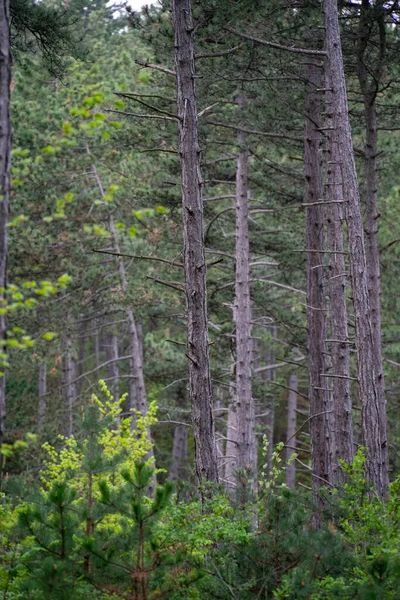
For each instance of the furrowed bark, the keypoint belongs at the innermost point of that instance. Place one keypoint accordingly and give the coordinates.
(341, 446)
(368, 373)
(42, 385)
(246, 439)
(291, 430)
(316, 302)
(369, 84)
(5, 153)
(194, 256)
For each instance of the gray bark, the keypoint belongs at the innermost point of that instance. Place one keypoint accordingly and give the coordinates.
(68, 387)
(80, 367)
(179, 452)
(368, 372)
(136, 387)
(246, 439)
(5, 153)
(111, 346)
(341, 446)
(42, 385)
(369, 79)
(136, 381)
(269, 419)
(194, 256)
(316, 302)
(291, 430)
(231, 448)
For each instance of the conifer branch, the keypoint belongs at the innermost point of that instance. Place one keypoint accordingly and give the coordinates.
(275, 45)
(147, 65)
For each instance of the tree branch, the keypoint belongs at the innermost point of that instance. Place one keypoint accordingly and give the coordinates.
(292, 49)
(269, 134)
(147, 65)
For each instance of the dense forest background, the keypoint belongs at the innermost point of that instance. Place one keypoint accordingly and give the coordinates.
(199, 266)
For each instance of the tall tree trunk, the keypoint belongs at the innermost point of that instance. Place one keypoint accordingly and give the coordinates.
(269, 419)
(5, 153)
(246, 439)
(179, 451)
(42, 396)
(231, 448)
(291, 430)
(194, 256)
(316, 303)
(68, 386)
(368, 372)
(369, 78)
(341, 436)
(111, 345)
(136, 381)
(135, 349)
(80, 366)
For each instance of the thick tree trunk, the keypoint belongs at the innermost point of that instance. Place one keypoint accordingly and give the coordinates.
(341, 446)
(194, 256)
(42, 385)
(5, 153)
(316, 303)
(291, 430)
(246, 439)
(369, 84)
(368, 371)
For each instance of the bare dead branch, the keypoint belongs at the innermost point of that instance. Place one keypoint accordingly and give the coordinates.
(141, 257)
(147, 65)
(141, 115)
(217, 54)
(275, 45)
(257, 132)
(174, 286)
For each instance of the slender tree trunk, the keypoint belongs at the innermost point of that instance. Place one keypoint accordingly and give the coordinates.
(368, 371)
(246, 439)
(111, 344)
(135, 349)
(341, 439)
(218, 415)
(96, 342)
(269, 419)
(5, 153)
(291, 430)
(80, 367)
(316, 303)
(194, 256)
(179, 451)
(231, 447)
(369, 84)
(68, 376)
(136, 382)
(42, 396)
